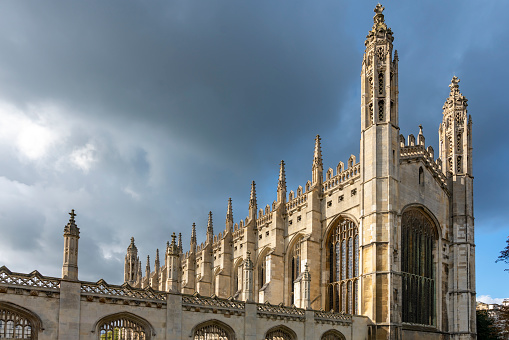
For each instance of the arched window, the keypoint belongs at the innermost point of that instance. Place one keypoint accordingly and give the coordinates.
(213, 330)
(343, 264)
(421, 176)
(123, 326)
(295, 266)
(17, 322)
(332, 335)
(418, 237)
(280, 333)
(264, 271)
(237, 278)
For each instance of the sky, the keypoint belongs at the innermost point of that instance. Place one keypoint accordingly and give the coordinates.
(143, 116)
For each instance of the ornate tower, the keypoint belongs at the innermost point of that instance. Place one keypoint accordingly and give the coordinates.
(455, 135)
(71, 237)
(132, 266)
(379, 153)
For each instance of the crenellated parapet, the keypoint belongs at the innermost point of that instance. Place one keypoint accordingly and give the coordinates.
(413, 152)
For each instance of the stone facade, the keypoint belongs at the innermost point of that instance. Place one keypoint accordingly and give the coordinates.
(385, 243)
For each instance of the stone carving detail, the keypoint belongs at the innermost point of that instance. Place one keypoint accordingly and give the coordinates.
(197, 301)
(102, 288)
(32, 280)
(281, 311)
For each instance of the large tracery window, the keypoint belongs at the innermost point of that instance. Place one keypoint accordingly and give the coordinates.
(17, 322)
(123, 326)
(332, 335)
(418, 237)
(213, 330)
(343, 263)
(280, 333)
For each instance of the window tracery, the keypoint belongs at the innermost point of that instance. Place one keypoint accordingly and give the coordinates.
(381, 110)
(211, 332)
(279, 334)
(418, 241)
(343, 263)
(332, 335)
(17, 323)
(123, 326)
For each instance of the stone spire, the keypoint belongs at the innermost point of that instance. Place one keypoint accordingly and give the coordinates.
(71, 237)
(210, 229)
(180, 243)
(173, 248)
(317, 163)
(157, 263)
(229, 211)
(147, 268)
(281, 184)
(253, 206)
(193, 238)
(229, 216)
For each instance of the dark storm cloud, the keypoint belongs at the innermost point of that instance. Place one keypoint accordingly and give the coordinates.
(146, 115)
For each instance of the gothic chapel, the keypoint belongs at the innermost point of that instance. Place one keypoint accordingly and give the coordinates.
(381, 247)
(389, 236)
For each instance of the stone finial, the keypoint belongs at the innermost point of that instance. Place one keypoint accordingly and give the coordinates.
(210, 228)
(229, 211)
(281, 184)
(193, 233)
(454, 83)
(157, 263)
(252, 198)
(420, 129)
(396, 57)
(147, 268)
(71, 228)
(179, 245)
(317, 158)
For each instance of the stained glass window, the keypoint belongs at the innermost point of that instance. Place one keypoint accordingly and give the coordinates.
(418, 239)
(343, 262)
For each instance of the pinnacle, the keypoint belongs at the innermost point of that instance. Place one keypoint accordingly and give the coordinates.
(282, 174)
(317, 159)
(229, 211)
(252, 200)
(209, 223)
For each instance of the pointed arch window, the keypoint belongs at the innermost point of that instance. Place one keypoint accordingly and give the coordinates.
(418, 239)
(124, 326)
(213, 330)
(295, 264)
(17, 322)
(280, 333)
(343, 264)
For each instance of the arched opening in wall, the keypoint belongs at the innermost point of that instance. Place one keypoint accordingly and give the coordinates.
(123, 326)
(295, 264)
(280, 333)
(237, 279)
(343, 264)
(418, 240)
(17, 322)
(333, 335)
(213, 330)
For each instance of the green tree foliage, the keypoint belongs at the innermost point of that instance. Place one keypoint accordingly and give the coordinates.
(504, 254)
(485, 327)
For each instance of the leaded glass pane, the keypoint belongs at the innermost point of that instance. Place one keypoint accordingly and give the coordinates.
(122, 329)
(418, 238)
(356, 256)
(211, 332)
(350, 258)
(278, 334)
(343, 260)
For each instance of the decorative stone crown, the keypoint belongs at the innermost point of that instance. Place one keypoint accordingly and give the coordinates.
(71, 228)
